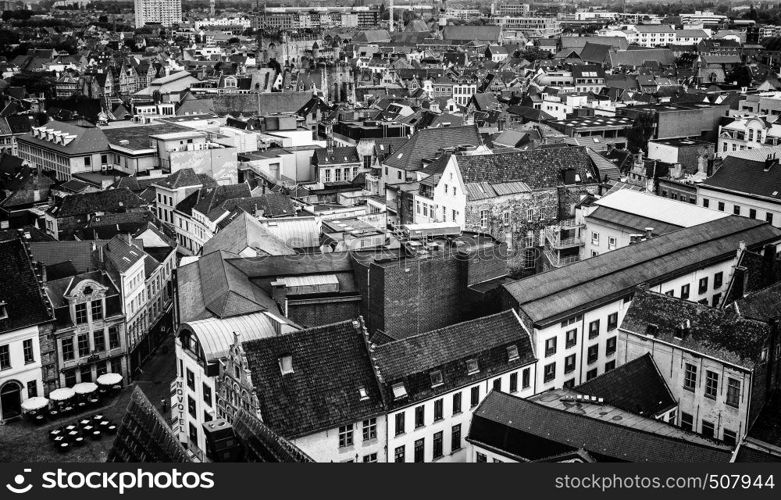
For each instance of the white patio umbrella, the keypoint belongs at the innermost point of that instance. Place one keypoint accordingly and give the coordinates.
(35, 403)
(61, 394)
(110, 379)
(85, 388)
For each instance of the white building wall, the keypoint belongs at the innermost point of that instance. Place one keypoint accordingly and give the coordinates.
(411, 433)
(730, 200)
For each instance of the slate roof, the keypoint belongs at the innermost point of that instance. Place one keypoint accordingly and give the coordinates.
(112, 200)
(336, 156)
(554, 294)
(530, 430)
(245, 231)
(24, 300)
(471, 33)
(745, 176)
(636, 386)
(213, 287)
(427, 143)
(636, 58)
(121, 254)
(631, 221)
(330, 364)
(734, 340)
(595, 53)
(88, 139)
(411, 359)
(209, 200)
(78, 253)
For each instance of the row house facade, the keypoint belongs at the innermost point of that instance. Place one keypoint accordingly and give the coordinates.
(573, 312)
(512, 196)
(26, 319)
(90, 328)
(718, 366)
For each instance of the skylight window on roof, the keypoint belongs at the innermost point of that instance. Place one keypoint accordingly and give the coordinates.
(399, 391)
(399, 155)
(286, 364)
(362, 393)
(436, 378)
(471, 366)
(512, 353)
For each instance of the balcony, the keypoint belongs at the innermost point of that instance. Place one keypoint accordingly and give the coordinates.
(558, 260)
(566, 234)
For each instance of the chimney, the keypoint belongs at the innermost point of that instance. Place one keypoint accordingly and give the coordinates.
(740, 281)
(768, 162)
(769, 263)
(649, 233)
(279, 294)
(741, 248)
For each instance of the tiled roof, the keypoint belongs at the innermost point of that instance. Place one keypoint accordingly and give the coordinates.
(330, 365)
(539, 168)
(427, 143)
(261, 104)
(611, 275)
(636, 386)
(186, 177)
(762, 305)
(20, 291)
(144, 435)
(750, 177)
(533, 430)
(712, 332)
(411, 359)
(112, 200)
(270, 204)
(261, 444)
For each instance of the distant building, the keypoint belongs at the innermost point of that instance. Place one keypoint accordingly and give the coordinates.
(165, 12)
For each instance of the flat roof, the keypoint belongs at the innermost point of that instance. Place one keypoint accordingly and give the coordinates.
(659, 208)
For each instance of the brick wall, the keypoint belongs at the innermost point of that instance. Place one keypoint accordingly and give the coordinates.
(324, 313)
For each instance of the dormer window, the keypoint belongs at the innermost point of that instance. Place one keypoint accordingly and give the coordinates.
(436, 378)
(512, 353)
(399, 391)
(471, 366)
(286, 364)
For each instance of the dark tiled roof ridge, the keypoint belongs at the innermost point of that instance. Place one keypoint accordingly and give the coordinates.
(605, 422)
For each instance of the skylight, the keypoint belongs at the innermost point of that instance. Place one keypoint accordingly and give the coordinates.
(399, 391)
(436, 378)
(286, 364)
